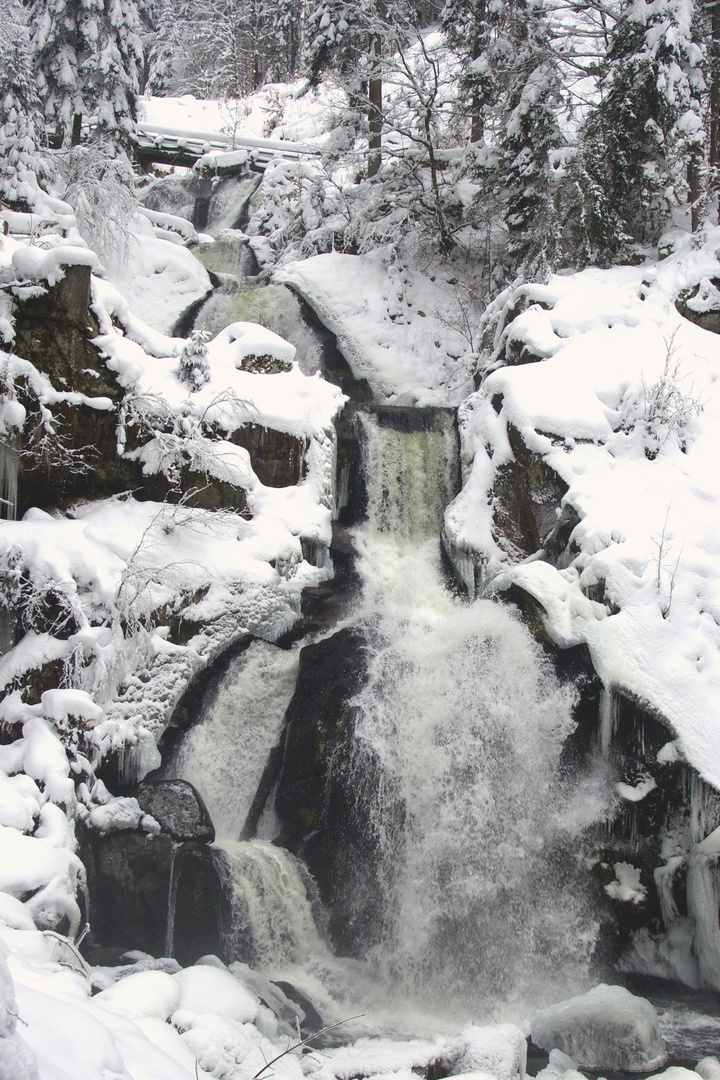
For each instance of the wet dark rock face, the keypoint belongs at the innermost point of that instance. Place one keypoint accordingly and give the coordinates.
(325, 794)
(157, 893)
(526, 499)
(178, 809)
(54, 332)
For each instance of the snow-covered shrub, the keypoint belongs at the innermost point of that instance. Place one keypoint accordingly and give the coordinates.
(169, 442)
(663, 410)
(99, 185)
(300, 210)
(193, 367)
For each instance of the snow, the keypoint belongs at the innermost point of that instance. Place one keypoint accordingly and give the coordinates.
(646, 490)
(395, 327)
(278, 110)
(643, 485)
(159, 279)
(627, 886)
(606, 1028)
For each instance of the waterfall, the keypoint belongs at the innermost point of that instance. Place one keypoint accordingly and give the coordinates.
(483, 882)
(224, 755)
(273, 906)
(411, 475)
(478, 830)
(703, 896)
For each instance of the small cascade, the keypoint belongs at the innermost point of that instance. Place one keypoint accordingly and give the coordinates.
(225, 754)
(272, 906)
(411, 474)
(9, 473)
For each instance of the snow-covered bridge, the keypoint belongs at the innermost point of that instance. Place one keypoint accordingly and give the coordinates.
(159, 145)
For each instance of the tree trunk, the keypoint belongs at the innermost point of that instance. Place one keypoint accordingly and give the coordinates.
(698, 205)
(375, 114)
(76, 135)
(714, 9)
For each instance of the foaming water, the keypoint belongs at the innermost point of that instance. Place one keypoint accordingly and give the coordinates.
(273, 906)
(479, 835)
(468, 722)
(225, 754)
(481, 852)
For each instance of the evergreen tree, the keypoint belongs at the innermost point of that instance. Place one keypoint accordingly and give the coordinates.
(470, 26)
(87, 53)
(526, 97)
(193, 368)
(648, 127)
(351, 39)
(285, 39)
(162, 43)
(21, 122)
(337, 33)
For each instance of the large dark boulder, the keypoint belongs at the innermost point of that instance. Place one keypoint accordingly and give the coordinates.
(327, 786)
(178, 808)
(160, 894)
(526, 498)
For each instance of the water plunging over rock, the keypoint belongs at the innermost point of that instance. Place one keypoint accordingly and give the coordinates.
(272, 906)
(441, 828)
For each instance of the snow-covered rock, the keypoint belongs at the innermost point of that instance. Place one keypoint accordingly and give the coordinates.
(16, 1059)
(607, 1028)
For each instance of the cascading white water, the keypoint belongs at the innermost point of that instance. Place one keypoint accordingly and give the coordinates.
(224, 755)
(272, 906)
(467, 720)
(410, 476)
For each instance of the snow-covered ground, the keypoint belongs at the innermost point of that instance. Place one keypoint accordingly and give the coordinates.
(399, 329)
(625, 408)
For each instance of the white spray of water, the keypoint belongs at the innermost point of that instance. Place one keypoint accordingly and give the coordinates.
(224, 755)
(272, 906)
(468, 722)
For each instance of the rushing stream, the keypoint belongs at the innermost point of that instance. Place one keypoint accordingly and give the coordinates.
(478, 831)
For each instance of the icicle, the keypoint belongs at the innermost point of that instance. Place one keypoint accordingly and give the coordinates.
(9, 472)
(172, 900)
(703, 894)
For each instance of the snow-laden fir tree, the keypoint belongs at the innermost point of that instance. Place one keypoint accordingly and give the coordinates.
(21, 121)
(648, 127)
(351, 39)
(162, 42)
(284, 39)
(528, 133)
(470, 26)
(87, 53)
(193, 368)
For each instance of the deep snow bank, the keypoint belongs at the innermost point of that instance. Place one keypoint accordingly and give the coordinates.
(620, 400)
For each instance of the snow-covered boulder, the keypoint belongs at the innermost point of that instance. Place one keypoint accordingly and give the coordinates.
(499, 1051)
(16, 1059)
(607, 1028)
(708, 1068)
